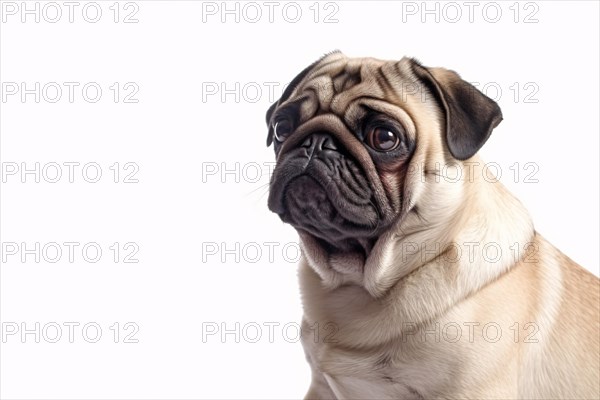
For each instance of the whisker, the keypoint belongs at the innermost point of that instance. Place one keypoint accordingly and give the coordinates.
(266, 185)
(265, 190)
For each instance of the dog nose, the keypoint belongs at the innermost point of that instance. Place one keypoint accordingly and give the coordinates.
(319, 142)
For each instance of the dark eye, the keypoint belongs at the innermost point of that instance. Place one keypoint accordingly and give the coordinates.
(382, 139)
(283, 129)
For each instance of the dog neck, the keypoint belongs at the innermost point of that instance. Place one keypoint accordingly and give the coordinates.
(473, 230)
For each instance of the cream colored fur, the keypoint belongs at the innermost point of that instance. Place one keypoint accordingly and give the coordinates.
(387, 327)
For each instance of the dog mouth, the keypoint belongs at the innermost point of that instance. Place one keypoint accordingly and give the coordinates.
(331, 201)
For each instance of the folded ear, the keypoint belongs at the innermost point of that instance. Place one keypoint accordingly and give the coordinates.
(288, 92)
(470, 115)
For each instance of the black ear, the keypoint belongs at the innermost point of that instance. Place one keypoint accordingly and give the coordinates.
(288, 92)
(470, 115)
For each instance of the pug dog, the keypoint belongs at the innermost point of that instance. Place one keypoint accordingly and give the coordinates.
(421, 276)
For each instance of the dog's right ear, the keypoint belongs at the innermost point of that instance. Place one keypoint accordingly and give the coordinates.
(288, 92)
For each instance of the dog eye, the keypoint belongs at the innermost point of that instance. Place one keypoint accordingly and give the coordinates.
(382, 139)
(283, 129)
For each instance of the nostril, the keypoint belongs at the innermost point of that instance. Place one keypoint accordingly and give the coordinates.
(307, 142)
(321, 141)
(329, 144)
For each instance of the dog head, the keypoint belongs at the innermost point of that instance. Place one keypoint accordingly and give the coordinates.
(352, 138)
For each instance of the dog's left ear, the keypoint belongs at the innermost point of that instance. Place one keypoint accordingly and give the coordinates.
(470, 115)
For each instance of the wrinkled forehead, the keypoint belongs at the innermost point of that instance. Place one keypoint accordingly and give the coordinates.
(351, 87)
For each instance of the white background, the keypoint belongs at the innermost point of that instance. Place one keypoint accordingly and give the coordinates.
(183, 211)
